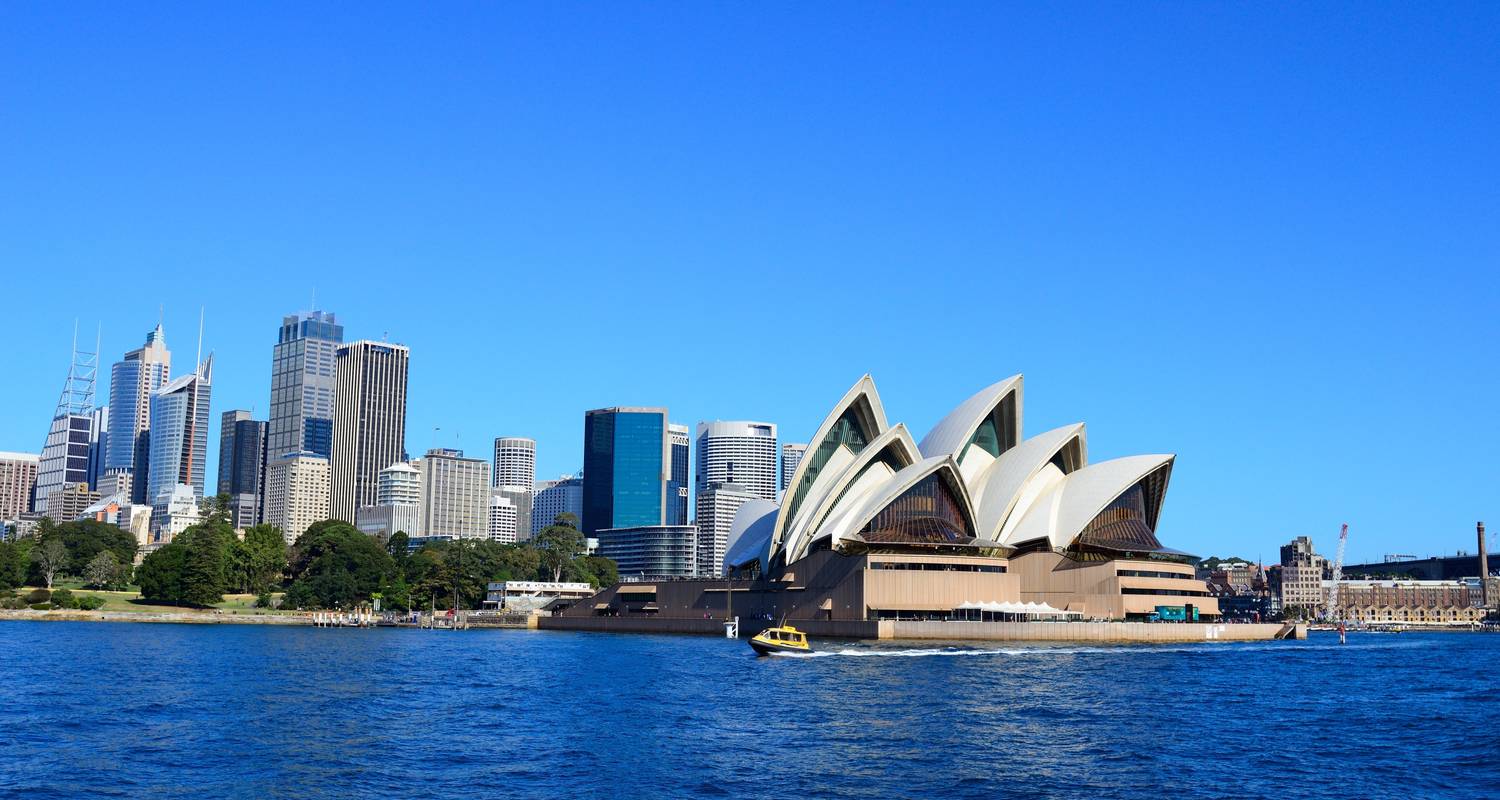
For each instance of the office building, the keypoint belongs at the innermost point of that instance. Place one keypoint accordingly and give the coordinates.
(120, 482)
(303, 378)
(179, 433)
(502, 518)
(369, 424)
(68, 503)
(717, 505)
(297, 492)
(132, 382)
(742, 453)
(627, 464)
(455, 494)
(652, 551)
(791, 456)
(1301, 589)
(98, 445)
(17, 484)
(561, 496)
(65, 455)
(398, 503)
(242, 456)
(515, 462)
(174, 510)
(677, 476)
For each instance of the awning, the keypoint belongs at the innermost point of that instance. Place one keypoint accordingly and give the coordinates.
(911, 607)
(635, 589)
(600, 606)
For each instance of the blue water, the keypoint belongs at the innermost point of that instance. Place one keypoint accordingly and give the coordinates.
(136, 710)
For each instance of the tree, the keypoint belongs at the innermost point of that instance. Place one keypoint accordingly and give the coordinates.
(203, 568)
(104, 571)
(15, 559)
(559, 543)
(398, 546)
(396, 595)
(87, 538)
(160, 574)
(334, 565)
(49, 556)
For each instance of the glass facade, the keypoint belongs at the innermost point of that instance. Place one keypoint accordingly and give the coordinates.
(998, 431)
(625, 477)
(677, 491)
(927, 513)
(847, 431)
(303, 371)
(1128, 523)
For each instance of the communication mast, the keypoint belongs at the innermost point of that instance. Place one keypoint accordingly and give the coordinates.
(1338, 575)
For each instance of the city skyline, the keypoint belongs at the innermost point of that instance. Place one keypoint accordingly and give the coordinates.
(1230, 269)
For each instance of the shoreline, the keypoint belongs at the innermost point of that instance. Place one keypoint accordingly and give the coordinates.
(185, 617)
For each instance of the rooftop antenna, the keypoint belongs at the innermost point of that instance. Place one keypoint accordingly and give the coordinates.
(199, 359)
(314, 299)
(161, 312)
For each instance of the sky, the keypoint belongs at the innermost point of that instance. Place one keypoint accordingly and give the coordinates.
(1262, 237)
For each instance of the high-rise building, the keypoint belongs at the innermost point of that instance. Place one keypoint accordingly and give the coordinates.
(242, 458)
(1301, 576)
(561, 496)
(515, 462)
(117, 482)
(174, 511)
(132, 381)
(369, 421)
(65, 456)
(98, 445)
(179, 434)
(677, 477)
(17, 483)
(791, 456)
(502, 518)
(742, 453)
(515, 474)
(627, 463)
(455, 495)
(717, 505)
(398, 503)
(69, 502)
(297, 491)
(303, 378)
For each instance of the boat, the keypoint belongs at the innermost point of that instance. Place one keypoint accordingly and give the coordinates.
(781, 639)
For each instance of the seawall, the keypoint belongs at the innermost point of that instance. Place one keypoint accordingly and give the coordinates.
(958, 631)
(190, 617)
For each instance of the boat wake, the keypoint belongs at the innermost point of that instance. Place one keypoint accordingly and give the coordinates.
(1043, 650)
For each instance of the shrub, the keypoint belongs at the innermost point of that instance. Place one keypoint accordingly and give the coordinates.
(63, 598)
(263, 600)
(12, 603)
(90, 603)
(41, 606)
(38, 596)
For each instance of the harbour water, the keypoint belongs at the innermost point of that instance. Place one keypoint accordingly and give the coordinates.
(134, 710)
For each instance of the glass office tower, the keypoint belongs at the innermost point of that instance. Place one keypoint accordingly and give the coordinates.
(303, 366)
(626, 463)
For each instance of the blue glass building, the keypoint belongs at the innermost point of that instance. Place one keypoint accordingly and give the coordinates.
(302, 384)
(627, 468)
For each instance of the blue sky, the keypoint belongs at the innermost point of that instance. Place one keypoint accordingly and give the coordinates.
(1261, 237)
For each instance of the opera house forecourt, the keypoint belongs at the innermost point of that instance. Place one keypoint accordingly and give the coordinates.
(973, 532)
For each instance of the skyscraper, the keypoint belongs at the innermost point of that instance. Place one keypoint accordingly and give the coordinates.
(179, 434)
(717, 505)
(369, 423)
(515, 476)
(791, 456)
(503, 518)
(65, 456)
(562, 496)
(627, 462)
(296, 493)
(98, 445)
(303, 367)
(455, 495)
(742, 453)
(677, 478)
(242, 458)
(132, 381)
(17, 483)
(398, 503)
(515, 462)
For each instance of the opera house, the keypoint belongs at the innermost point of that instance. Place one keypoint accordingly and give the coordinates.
(974, 522)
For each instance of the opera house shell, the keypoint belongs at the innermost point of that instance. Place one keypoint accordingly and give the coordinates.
(1021, 520)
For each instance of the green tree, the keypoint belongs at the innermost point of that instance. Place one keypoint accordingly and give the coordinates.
(266, 550)
(160, 574)
(87, 538)
(207, 547)
(333, 565)
(559, 543)
(398, 546)
(15, 560)
(396, 595)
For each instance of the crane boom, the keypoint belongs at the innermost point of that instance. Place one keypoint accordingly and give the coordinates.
(1338, 575)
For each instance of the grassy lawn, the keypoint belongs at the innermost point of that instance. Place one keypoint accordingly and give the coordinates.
(130, 600)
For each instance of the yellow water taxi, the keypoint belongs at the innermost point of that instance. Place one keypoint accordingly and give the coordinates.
(781, 639)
